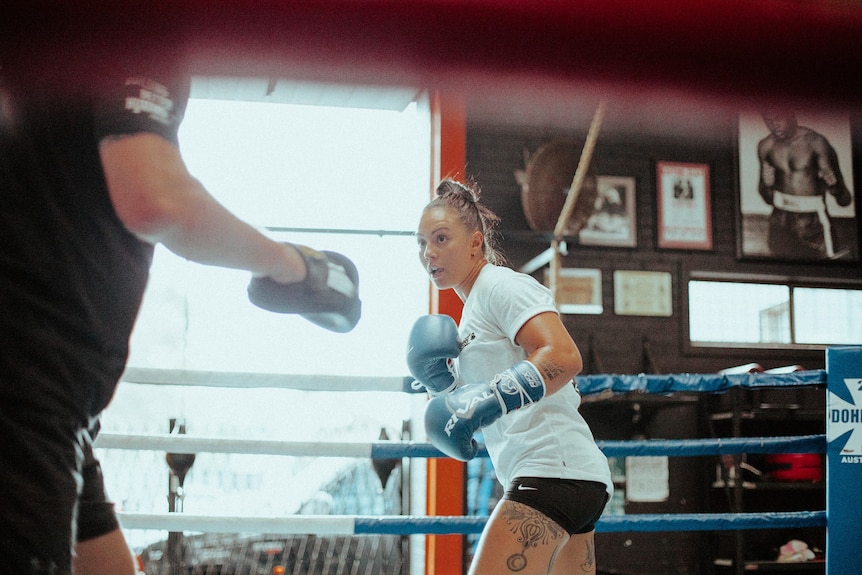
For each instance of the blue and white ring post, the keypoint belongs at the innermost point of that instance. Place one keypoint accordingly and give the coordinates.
(843, 459)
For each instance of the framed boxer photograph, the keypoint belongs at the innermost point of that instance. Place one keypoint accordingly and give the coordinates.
(796, 198)
(612, 222)
(684, 206)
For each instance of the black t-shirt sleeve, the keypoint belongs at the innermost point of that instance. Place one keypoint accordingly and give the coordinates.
(142, 103)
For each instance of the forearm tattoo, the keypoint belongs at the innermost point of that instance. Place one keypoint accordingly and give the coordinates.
(531, 528)
(550, 370)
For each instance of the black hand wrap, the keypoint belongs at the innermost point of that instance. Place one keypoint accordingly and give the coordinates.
(328, 296)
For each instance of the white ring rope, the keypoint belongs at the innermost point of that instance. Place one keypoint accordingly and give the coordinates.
(191, 444)
(292, 525)
(186, 377)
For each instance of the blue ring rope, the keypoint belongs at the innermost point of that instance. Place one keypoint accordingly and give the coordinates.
(670, 447)
(398, 525)
(704, 383)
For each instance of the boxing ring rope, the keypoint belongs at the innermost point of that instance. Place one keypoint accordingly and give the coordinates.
(410, 525)
(183, 377)
(587, 385)
(462, 525)
(402, 449)
(413, 525)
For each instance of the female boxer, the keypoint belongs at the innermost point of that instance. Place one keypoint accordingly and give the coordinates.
(507, 369)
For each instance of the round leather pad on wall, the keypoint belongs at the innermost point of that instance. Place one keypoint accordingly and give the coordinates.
(549, 175)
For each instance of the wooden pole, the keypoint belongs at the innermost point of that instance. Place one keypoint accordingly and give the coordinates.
(574, 192)
(581, 172)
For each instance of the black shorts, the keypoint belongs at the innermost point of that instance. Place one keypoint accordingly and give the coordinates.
(573, 504)
(96, 515)
(50, 487)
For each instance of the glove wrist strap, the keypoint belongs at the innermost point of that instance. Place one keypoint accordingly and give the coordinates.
(419, 386)
(323, 273)
(519, 386)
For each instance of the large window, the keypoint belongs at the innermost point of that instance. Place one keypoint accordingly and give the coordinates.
(351, 180)
(779, 314)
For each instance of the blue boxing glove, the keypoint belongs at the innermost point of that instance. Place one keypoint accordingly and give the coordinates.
(451, 420)
(432, 343)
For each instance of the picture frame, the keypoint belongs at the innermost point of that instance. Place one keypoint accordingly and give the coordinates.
(579, 291)
(684, 206)
(643, 293)
(614, 220)
(757, 237)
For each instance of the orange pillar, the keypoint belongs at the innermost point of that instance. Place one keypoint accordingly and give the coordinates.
(446, 477)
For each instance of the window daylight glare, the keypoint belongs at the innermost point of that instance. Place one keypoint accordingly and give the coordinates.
(722, 312)
(307, 167)
(734, 312)
(828, 316)
(311, 166)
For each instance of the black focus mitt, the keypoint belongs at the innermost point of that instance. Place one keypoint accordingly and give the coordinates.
(328, 296)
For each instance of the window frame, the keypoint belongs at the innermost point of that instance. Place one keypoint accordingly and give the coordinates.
(766, 350)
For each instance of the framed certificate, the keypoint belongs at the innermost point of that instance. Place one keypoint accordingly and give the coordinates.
(579, 291)
(642, 293)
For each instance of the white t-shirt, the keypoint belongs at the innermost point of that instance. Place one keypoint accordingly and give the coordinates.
(549, 438)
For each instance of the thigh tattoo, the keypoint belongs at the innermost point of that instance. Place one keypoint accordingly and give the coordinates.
(531, 528)
(590, 559)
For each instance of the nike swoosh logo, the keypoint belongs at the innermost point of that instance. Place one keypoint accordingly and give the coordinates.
(525, 488)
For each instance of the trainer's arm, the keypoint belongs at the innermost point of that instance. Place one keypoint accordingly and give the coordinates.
(551, 349)
(159, 201)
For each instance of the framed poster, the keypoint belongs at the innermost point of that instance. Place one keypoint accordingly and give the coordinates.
(684, 206)
(613, 221)
(796, 200)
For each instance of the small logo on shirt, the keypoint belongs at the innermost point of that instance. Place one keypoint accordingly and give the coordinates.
(527, 488)
(466, 341)
(153, 99)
